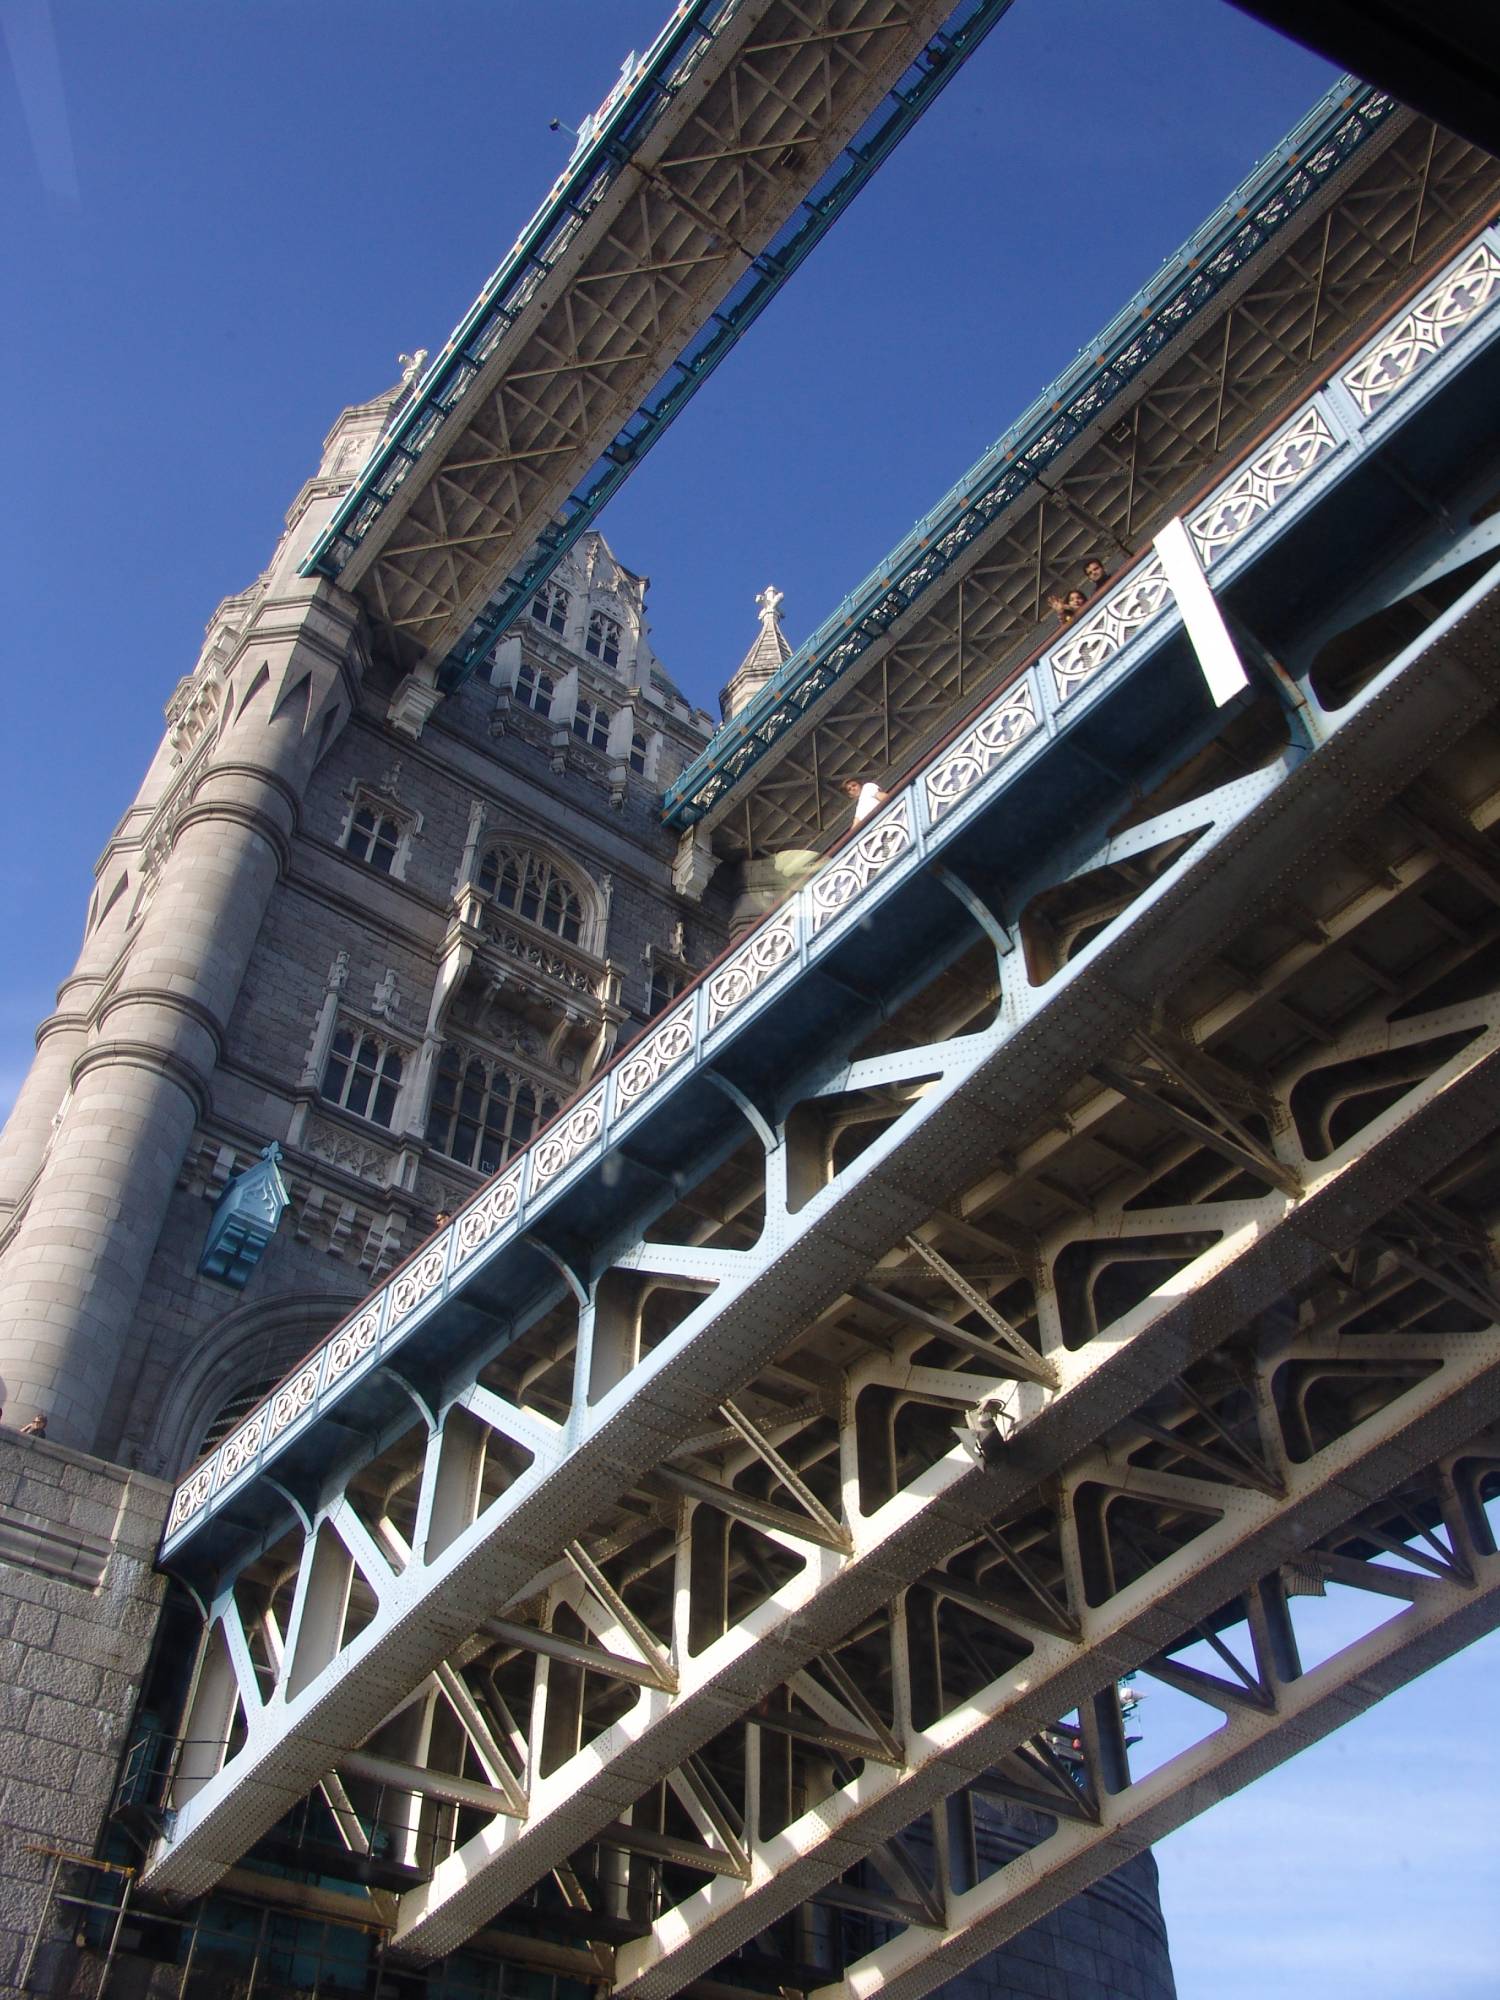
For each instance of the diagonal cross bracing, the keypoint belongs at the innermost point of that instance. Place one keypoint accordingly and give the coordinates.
(1111, 669)
(1442, 1616)
(988, 1081)
(1272, 1243)
(950, 1508)
(1250, 1535)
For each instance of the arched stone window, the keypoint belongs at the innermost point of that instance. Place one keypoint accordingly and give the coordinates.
(638, 753)
(550, 607)
(603, 639)
(481, 1113)
(534, 689)
(362, 1075)
(591, 724)
(535, 888)
(667, 981)
(374, 838)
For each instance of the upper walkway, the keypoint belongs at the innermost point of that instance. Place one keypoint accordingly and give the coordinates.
(1238, 326)
(710, 172)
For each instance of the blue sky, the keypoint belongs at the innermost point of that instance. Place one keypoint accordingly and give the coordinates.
(222, 222)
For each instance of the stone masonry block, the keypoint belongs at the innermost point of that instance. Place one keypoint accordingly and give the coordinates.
(43, 1813)
(15, 1707)
(69, 1680)
(34, 1625)
(67, 1722)
(43, 1762)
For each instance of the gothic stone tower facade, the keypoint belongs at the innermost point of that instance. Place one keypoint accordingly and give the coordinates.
(393, 945)
(391, 938)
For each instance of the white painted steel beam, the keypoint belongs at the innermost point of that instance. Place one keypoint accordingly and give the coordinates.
(1443, 1616)
(989, 1085)
(1250, 1532)
(1217, 654)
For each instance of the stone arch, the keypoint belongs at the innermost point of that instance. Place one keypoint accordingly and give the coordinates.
(251, 1345)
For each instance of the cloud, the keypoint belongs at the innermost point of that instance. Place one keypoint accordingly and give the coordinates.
(32, 44)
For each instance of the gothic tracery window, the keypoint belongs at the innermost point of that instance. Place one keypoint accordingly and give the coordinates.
(667, 981)
(374, 838)
(534, 689)
(530, 885)
(362, 1075)
(603, 639)
(481, 1114)
(591, 724)
(638, 753)
(550, 607)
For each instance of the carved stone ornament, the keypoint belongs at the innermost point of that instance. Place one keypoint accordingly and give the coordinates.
(345, 1149)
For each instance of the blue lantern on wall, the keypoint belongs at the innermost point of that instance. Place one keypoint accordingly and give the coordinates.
(244, 1220)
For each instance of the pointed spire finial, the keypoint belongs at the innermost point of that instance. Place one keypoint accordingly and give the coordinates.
(770, 650)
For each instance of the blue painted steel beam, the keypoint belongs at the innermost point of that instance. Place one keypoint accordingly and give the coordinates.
(1185, 286)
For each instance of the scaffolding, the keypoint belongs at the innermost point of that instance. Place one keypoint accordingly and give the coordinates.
(268, 1939)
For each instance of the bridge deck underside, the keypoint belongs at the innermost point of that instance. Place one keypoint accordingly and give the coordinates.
(1140, 460)
(619, 290)
(1254, 1240)
(1087, 1262)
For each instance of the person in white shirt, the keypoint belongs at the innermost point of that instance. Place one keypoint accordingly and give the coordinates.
(867, 797)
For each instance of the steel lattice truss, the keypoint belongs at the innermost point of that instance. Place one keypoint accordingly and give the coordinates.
(1179, 1208)
(632, 269)
(1128, 467)
(1074, 1260)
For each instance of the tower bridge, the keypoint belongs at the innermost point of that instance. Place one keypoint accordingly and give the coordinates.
(1053, 1241)
(1053, 1244)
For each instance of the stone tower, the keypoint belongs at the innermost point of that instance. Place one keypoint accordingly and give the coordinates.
(362, 934)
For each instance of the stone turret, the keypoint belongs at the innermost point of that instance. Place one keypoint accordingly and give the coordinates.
(770, 649)
(72, 1273)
